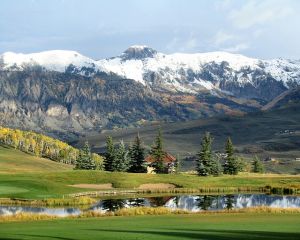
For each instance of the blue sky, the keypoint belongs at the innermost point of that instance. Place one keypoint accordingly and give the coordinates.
(99, 29)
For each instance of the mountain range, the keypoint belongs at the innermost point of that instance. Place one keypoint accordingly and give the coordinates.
(62, 92)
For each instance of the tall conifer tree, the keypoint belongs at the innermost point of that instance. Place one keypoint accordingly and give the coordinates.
(231, 165)
(158, 154)
(122, 159)
(204, 157)
(207, 164)
(137, 156)
(110, 154)
(85, 160)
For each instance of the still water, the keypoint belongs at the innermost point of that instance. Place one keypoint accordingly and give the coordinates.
(187, 202)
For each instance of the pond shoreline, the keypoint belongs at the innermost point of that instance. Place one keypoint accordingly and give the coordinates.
(85, 198)
(210, 190)
(142, 211)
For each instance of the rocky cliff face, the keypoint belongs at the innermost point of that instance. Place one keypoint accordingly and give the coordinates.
(60, 102)
(64, 104)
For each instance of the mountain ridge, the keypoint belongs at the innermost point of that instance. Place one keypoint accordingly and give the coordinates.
(66, 94)
(178, 72)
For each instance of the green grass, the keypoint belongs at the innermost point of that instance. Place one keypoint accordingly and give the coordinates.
(218, 227)
(15, 161)
(55, 184)
(38, 178)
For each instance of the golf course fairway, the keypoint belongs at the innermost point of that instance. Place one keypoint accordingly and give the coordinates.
(220, 226)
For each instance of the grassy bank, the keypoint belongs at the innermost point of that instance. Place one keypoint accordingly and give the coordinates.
(14, 161)
(57, 184)
(221, 226)
(49, 202)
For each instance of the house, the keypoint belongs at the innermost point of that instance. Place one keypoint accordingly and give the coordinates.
(271, 159)
(169, 162)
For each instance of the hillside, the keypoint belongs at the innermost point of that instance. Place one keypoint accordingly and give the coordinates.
(289, 97)
(266, 134)
(15, 161)
(67, 105)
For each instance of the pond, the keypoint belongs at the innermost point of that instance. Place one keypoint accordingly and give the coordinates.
(187, 202)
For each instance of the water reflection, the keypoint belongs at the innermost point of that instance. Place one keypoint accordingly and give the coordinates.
(112, 205)
(186, 202)
(204, 202)
(60, 212)
(160, 201)
(218, 202)
(229, 201)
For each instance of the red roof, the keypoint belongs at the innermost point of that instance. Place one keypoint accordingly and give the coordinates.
(168, 158)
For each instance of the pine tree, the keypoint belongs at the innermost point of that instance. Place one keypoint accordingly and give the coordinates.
(85, 160)
(158, 154)
(231, 165)
(257, 165)
(122, 159)
(110, 154)
(137, 155)
(78, 163)
(204, 156)
(216, 168)
(207, 164)
(242, 165)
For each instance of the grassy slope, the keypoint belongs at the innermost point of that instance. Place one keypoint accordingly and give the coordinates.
(55, 184)
(15, 161)
(220, 227)
(40, 178)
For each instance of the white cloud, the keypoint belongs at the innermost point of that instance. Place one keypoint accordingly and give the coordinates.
(222, 37)
(190, 44)
(257, 12)
(182, 45)
(237, 48)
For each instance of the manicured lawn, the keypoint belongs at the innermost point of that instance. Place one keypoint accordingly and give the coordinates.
(25, 176)
(212, 226)
(55, 184)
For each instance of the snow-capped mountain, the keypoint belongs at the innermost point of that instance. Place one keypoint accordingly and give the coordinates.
(175, 69)
(200, 71)
(63, 92)
(56, 60)
(176, 72)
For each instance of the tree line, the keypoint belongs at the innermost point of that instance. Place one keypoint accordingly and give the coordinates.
(207, 163)
(43, 146)
(117, 158)
(122, 158)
